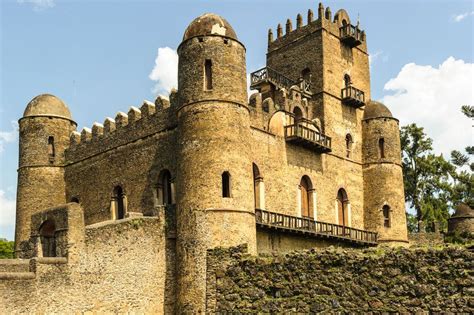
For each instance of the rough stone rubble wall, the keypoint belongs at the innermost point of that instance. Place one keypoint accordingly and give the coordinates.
(375, 280)
(122, 269)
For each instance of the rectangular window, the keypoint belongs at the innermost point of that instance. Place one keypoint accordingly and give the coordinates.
(226, 185)
(208, 74)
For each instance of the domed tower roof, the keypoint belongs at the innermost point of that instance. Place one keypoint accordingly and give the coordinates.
(209, 24)
(47, 105)
(376, 109)
(463, 210)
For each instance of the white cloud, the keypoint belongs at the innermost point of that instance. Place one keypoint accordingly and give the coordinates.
(462, 16)
(39, 5)
(7, 216)
(432, 98)
(8, 136)
(374, 56)
(165, 72)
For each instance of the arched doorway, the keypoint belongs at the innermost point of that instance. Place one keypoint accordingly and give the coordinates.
(298, 114)
(306, 189)
(258, 188)
(342, 207)
(118, 202)
(47, 232)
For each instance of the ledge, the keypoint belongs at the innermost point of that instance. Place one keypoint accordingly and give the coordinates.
(17, 275)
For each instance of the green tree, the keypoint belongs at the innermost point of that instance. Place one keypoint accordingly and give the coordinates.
(426, 176)
(6, 248)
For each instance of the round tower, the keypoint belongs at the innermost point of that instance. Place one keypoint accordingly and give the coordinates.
(214, 179)
(384, 197)
(44, 135)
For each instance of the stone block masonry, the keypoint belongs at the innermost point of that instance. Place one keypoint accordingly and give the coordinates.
(377, 280)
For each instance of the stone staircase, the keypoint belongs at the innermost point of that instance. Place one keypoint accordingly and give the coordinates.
(15, 269)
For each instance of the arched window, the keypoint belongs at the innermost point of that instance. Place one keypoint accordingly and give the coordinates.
(348, 145)
(347, 80)
(258, 188)
(306, 75)
(386, 216)
(306, 188)
(165, 189)
(208, 74)
(47, 234)
(75, 199)
(51, 149)
(382, 148)
(298, 114)
(344, 22)
(226, 185)
(342, 207)
(118, 203)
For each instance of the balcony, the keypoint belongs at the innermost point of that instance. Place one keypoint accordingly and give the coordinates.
(351, 35)
(268, 75)
(310, 227)
(302, 135)
(352, 97)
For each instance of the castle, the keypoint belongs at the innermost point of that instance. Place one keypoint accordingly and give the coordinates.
(131, 206)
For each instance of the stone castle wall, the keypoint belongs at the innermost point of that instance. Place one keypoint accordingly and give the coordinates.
(339, 281)
(122, 268)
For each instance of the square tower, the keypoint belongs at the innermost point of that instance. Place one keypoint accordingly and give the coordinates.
(331, 54)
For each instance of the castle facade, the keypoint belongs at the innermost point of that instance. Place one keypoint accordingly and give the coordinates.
(308, 160)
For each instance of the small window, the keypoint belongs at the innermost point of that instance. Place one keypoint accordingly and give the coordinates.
(75, 199)
(118, 201)
(51, 149)
(386, 216)
(226, 193)
(382, 148)
(348, 145)
(208, 74)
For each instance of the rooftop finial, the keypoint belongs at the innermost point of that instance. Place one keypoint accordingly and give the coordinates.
(299, 21)
(279, 31)
(289, 26)
(310, 16)
(328, 14)
(320, 11)
(270, 35)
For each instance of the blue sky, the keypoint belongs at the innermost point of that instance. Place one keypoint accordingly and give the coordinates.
(97, 56)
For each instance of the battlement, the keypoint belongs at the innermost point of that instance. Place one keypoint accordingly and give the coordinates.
(137, 123)
(340, 27)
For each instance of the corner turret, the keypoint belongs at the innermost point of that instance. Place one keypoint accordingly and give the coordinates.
(384, 198)
(45, 130)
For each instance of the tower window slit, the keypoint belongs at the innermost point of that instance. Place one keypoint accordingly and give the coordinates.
(226, 185)
(208, 74)
(51, 149)
(382, 148)
(386, 216)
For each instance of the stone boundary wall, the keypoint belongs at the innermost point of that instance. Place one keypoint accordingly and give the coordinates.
(122, 269)
(332, 280)
(426, 239)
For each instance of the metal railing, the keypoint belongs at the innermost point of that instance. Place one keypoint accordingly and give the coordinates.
(300, 131)
(297, 224)
(351, 93)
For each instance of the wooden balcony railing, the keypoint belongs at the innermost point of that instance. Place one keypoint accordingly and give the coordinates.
(268, 74)
(292, 224)
(300, 134)
(351, 35)
(353, 97)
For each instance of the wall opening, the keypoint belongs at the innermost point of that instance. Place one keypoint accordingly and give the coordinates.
(47, 232)
(306, 189)
(349, 142)
(226, 185)
(382, 148)
(298, 114)
(342, 207)
(306, 75)
(51, 148)
(165, 189)
(347, 80)
(75, 199)
(386, 216)
(118, 203)
(208, 74)
(258, 188)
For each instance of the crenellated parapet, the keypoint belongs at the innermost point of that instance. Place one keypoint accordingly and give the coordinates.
(137, 123)
(339, 26)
